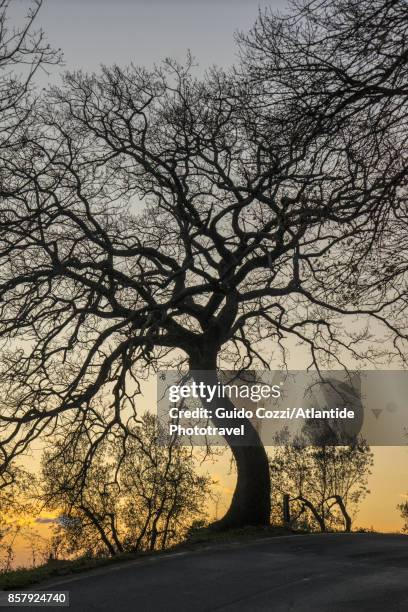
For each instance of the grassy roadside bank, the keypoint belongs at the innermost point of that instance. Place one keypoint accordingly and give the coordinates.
(25, 577)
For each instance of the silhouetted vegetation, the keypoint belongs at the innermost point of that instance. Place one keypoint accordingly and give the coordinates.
(153, 220)
(403, 510)
(135, 495)
(325, 483)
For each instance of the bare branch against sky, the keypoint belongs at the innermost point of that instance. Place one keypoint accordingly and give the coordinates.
(154, 219)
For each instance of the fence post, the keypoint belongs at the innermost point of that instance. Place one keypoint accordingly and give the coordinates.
(286, 510)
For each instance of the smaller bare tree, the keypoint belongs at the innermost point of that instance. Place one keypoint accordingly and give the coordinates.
(135, 494)
(325, 483)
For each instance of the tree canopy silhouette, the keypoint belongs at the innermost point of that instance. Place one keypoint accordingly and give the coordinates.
(159, 220)
(23, 53)
(325, 483)
(135, 495)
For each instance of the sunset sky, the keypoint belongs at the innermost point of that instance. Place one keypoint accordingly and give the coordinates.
(91, 32)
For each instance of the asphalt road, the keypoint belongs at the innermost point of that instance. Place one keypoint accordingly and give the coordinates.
(336, 572)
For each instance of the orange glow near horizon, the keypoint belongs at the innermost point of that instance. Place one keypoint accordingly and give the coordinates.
(388, 486)
(388, 483)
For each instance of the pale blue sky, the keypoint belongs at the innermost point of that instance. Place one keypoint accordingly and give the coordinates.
(91, 32)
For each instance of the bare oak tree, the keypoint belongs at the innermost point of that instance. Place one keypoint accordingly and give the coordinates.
(165, 221)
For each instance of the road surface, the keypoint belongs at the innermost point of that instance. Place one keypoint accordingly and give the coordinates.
(336, 572)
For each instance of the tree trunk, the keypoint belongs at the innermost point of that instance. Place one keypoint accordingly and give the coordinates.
(251, 503)
(111, 549)
(320, 519)
(346, 516)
